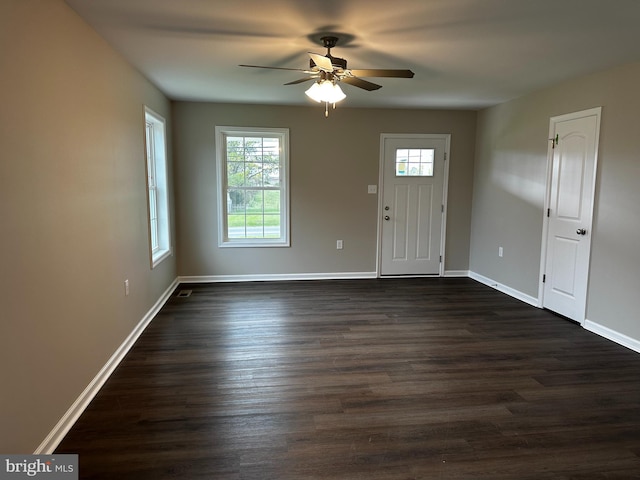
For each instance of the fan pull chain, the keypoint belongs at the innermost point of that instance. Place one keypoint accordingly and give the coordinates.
(326, 108)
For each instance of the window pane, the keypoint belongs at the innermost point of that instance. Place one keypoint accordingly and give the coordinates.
(235, 149)
(235, 201)
(271, 158)
(252, 149)
(271, 146)
(153, 219)
(254, 214)
(154, 235)
(254, 201)
(253, 174)
(272, 226)
(415, 162)
(255, 227)
(272, 214)
(271, 175)
(153, 204)
(253, 157)
(236, 226)
(272, 202)
(235, 174)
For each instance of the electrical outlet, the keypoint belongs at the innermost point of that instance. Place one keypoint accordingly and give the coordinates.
(500, 251)
(372, 189)
(339, 244)
(126, 288)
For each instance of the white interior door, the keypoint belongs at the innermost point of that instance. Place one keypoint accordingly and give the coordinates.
(570, 211)
(412, 206)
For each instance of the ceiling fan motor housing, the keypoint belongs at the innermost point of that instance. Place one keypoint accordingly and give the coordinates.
(329, 42)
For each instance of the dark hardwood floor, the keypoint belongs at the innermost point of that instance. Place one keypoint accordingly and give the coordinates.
(390, 379)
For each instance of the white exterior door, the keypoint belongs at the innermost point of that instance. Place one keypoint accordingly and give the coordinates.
(574, 139)
(412, 207)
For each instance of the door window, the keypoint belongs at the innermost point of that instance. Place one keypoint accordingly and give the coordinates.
(414, 162)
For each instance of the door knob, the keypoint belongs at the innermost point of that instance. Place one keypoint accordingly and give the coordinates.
(581, 231)
(387, 217)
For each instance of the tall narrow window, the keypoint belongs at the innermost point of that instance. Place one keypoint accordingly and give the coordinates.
(157, 186)
(253, 198)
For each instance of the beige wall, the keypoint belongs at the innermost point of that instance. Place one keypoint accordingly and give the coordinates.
(73, 210)
(509, 191)
(332, 162)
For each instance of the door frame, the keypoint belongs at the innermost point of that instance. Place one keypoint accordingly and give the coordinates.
(445, 189)
(597, 111)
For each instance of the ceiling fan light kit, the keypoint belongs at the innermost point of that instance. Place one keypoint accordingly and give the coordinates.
(330, 70)
(326, 91)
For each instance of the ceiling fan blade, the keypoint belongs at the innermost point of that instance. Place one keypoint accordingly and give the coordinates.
(358, 82)
(301, 80)
(279, 68)
(373, 72)
(322, 62)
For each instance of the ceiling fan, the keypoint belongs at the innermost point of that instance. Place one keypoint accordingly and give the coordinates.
(328, 70)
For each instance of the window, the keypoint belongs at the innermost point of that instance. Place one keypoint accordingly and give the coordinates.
(253, 193)
(157, 186)
(414, 162)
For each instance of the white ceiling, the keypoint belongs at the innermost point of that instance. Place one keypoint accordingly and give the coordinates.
(465, 53)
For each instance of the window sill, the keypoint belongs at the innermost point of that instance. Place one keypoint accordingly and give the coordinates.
(253, 244)
(159, 257)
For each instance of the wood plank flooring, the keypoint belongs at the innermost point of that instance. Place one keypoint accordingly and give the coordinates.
(381, 379)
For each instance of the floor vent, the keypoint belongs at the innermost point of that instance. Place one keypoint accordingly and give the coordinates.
(184, 293)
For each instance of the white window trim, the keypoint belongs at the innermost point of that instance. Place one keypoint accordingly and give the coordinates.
(157, 168)
(223, 240)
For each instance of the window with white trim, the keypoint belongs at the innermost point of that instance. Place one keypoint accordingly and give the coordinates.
(157, 186)
(253, 186)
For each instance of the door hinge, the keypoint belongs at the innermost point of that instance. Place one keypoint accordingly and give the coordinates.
(548, 212)
(554, 141)
(441, 208)
(440, 258)
(445, 156)
(544, 278)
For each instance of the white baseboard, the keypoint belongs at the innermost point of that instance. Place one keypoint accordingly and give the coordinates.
(609, 334)
(276, 277)
(296, 276)
(456, 273)
(71, 416)
(504, 289)
(605, 332)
